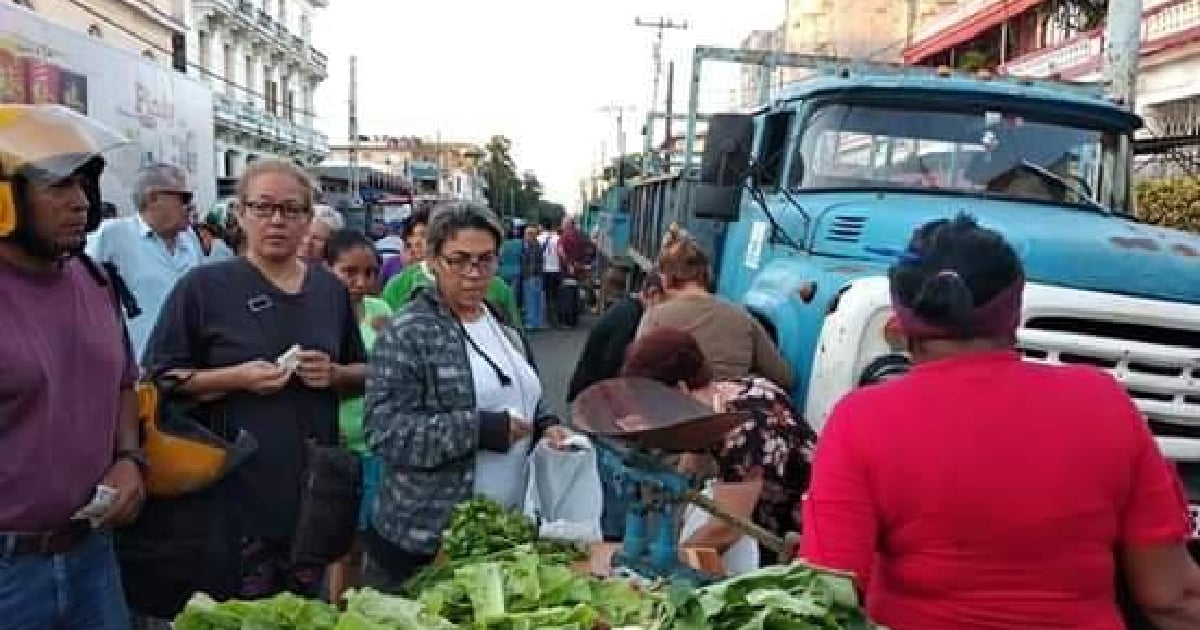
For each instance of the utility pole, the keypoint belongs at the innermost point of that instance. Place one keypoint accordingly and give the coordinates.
(660, 25)
(1122, 50)
(353, 128)
(619, 110)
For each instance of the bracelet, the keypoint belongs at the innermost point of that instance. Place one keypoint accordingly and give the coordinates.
(134, 455)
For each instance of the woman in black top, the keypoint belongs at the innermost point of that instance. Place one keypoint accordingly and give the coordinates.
(220, 333)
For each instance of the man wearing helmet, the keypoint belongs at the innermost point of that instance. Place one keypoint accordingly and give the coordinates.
(67, 403)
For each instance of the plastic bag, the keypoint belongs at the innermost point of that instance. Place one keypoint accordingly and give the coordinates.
(742, 557)
(563, 493)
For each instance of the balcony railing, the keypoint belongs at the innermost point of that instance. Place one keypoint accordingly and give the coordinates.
(1168, 23)
(961, 13)
(1069, 60)
(238, 113)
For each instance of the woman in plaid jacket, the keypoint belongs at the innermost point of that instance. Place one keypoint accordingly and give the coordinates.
(453, 402)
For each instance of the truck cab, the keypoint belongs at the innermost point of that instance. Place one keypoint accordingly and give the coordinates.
(807, 201)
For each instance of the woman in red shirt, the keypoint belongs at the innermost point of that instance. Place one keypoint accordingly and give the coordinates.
(981, 491)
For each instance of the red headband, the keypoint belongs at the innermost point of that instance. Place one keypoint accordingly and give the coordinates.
(998, 317)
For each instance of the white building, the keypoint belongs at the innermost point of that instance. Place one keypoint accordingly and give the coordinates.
(259, 58)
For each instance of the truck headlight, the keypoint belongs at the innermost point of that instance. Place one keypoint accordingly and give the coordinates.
(885, 368)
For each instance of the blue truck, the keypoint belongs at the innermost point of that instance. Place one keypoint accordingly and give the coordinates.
(804, 202)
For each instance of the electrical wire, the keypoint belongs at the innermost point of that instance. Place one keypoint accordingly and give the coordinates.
(170, 53)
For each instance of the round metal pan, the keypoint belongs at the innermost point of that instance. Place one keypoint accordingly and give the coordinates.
(647, 413)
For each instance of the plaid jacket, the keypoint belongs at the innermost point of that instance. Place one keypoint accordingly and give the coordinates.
(422, 422)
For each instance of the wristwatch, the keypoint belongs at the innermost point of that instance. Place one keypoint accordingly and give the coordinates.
(135, 455)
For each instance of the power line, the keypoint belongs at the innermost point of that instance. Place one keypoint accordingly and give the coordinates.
(152, 44)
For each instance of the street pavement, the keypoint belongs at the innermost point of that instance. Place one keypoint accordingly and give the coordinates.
(556, 353)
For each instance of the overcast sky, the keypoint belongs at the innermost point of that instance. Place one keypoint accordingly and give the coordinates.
(537, 71)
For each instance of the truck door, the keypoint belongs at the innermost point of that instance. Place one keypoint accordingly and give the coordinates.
(748, 244)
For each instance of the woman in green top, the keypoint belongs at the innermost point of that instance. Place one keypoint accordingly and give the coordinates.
(353, 259)
(416, 274)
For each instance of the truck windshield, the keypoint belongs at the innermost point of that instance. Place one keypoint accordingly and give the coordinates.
(988, 153)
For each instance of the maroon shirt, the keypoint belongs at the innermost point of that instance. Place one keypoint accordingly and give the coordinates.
(63, 364)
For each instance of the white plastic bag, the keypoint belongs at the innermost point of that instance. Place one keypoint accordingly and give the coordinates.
(563, 491)
(741, 558)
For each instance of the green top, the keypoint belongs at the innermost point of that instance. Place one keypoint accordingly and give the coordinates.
(399, 291)
(350, 412)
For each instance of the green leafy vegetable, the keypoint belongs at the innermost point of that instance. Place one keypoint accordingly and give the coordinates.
(367, 609)
(794, 596)
(482, 526)
(281, 612)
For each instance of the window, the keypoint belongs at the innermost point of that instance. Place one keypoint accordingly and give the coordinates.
(229, 61)
(28, 4)
(272, 93)
(148, 54)
(988, 153)
(94, 31)
(772, 150)
(204, 42)
(249, 84)
(289, 105)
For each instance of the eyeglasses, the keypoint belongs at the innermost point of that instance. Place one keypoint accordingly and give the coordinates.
(184, 197)
(462, 264)
(264, 210)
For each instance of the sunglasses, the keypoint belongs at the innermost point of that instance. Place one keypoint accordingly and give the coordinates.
(184, 197)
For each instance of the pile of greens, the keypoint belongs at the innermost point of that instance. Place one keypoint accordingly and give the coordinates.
(282, 612)
(524, 590)
(495, 575)
(481, 526)
(793, 596)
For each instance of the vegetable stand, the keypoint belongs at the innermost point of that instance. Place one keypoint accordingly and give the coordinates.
(493, 573)
(638, 424)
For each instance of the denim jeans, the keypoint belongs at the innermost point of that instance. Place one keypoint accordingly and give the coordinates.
(533, 302)
(78, 590)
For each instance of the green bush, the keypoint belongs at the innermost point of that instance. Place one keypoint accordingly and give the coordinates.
(1170, 202)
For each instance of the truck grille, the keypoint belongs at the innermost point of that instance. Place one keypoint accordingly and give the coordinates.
(1160, 367)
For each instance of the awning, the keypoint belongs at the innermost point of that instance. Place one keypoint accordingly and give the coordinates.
(968, 26)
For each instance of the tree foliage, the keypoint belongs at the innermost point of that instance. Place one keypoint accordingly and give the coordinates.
(1170, 202)
(513, 195)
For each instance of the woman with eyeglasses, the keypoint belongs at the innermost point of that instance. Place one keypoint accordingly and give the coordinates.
(221, 335)
(453, 400)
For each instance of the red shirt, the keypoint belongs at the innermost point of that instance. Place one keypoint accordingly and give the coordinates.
(987, 492)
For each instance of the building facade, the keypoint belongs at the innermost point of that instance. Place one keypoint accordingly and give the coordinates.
(153, 28)
(874, 30)
(1048, 39)
(259, 58)
(435, 168)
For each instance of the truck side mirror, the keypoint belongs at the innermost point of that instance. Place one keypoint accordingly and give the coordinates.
(727, 149)
(723, 167)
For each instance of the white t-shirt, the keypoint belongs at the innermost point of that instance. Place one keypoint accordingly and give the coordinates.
(550, 262)
(389, 246)
(501, 476)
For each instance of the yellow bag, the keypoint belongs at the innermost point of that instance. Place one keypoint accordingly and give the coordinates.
(184, 456)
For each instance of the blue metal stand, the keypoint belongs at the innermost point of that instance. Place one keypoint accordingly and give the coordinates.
(655, 496)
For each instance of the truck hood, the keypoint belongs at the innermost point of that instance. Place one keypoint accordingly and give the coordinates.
(1059, 246)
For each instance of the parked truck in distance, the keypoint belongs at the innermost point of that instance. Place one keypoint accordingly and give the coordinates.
(805, 202)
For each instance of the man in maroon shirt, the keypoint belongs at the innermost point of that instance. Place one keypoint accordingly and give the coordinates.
(68, 410)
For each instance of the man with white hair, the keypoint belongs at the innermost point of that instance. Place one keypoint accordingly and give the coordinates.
(324, 222)
(153, 248)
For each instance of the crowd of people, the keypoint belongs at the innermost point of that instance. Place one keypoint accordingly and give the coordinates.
(979, 491)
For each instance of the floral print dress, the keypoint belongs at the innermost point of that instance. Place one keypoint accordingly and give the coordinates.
(774, 445)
